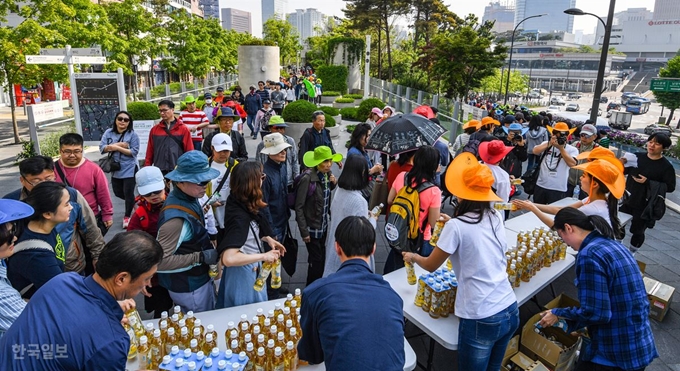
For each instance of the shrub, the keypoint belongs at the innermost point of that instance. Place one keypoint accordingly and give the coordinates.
(354, 96)
(349, 113)
(330, 121)
(331, 93)
(350, 128)
(143, 111)
(330, 111)
(344, 100)
(334, 78)
(299, 111)
(367, 105)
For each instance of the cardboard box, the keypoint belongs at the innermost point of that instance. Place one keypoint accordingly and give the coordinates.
(642, 266)
(562, 301)
(539, 348)
(660, 296)
(511, 350)
(526, 363)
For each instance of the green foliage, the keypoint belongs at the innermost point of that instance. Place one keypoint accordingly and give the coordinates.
(143, 111)
(493, 84)
(354, 96)
(352, 48)
(27, 151)
(350, 128)
(666, 99)
(259, 42)
(344, 100)
(329, 111)
(366, 106)
(334, 77)
(49, 146)
(330, 121)
(330, 93)
(299, 111)
(349, 113)
(283, 34)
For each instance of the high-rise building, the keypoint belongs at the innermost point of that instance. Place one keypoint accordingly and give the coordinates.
(211, 8)
(274, 8)
(237, 20)
(666, 9)
(555, 20)
(503, 13)
(308, 23)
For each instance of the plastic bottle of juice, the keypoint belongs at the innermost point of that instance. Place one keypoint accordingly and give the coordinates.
(184, 338)
(148, 331)
(136, 322)
(526, 272)
(273, 333)
(171, 340)
(278, 362)
(260, 362)
(411, 277)
(289, 298)
(164, 330)
(281, 340)
(286, 314)
(132, 353)
(256, 333)
(261, 341)
(276, 274)
(164, 317)
(197, 335)
(250, 352)
(260, 317)
(189, 320)
(174, 323)
(512, 275)
(247, 338)
(563, 251)
(234, 346)
(178, 311)
(209, 343)
(198, 325)
(427, 296)
(156, 350)
(420, 292)
(290, 357)
(262, 277)
(435, 300)
(143, 352)
(444, 300)
(244, 320)
(294, 336)
(298, 296)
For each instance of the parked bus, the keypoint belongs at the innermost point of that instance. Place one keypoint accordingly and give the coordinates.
(625, 97)
(638, 106)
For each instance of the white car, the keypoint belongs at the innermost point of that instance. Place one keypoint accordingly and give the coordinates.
(553, 109)
(557, 101)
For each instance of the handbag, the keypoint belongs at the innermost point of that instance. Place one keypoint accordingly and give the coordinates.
(531, 176)
(379, 195)
(289, 260)
(108, 164)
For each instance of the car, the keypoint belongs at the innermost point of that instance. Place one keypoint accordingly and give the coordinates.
(657, 128)
(557, 101)
(604, 100)
(599, 111)
(613, 105)
(553, 109)
(535, 95)
(573, 107)
(574, 96)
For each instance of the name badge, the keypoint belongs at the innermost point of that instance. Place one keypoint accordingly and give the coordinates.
(552, 174)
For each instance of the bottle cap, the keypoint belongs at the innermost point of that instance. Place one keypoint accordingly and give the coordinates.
(187, 353)
(249, 347)
(277, 351)
(281, 336)
(230, 325)
(228, 353)
(208, 362)
(233, 334)
(191, 366)
(297, 292)
(222, 364)
(260, 311)
(270, 314)
(184, 331)
(149, 326)
(270, 343)
(175, 318)
(174, 350)
(236, 366)
(177, 309)
(193, 343)
(143, 339)
(260, 338)
(272, 329)
(293, 331)
(247, 338)
(279, 318)
(286, 310)
(171, 331)
(164, 324)
(190, 313)
(209, 337)
(197, 331)
(244, 326)
(242, 356)
(200, 355)
(293, 303)
(179, 362)
(210, 328)
(260, 351)
(215, 352)
(234, 343)
(289, 296)
(289, 323)
(156, 333)
(244, 317)
(267, 322)
(167, 359)
(256, 329)
(164, 314)
(290, 345)
(182, 323)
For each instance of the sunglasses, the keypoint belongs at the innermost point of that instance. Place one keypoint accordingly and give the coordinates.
(122, 119)
(203, 184)
(152, 193)
(11, 233)
(584, 135)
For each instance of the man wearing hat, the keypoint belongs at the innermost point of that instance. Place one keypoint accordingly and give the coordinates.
(277, 125)
(187, 250)
(225, 120)
(195, 120)
(587, 135)
(220, 95)
(253, 103)
(557, 157)
(275, 184)
(168, 139)
(512, 163)
(218, 189)
(262, 118)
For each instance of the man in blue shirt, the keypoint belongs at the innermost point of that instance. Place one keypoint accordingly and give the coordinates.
(353, 310)
(74, 323)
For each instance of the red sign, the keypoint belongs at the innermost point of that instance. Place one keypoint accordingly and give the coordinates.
(49, 95)
(65, 93)
(664, 23)
(551, 55)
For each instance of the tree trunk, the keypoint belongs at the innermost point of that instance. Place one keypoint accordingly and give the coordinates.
(12, 105)
(416, 32)
(379, 48)
(670, 118)
(389, 48)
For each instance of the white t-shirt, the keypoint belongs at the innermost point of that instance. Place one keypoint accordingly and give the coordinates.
(597, 207)
(501, 183)
(224, 192)
(479, 262)
(554, 170)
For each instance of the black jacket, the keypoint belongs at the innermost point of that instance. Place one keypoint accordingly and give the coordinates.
(240, 152)
(512, 163)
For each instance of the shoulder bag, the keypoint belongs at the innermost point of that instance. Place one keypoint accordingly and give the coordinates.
(108, 164)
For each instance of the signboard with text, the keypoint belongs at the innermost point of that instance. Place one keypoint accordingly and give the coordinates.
(665, 85)
(98, 102)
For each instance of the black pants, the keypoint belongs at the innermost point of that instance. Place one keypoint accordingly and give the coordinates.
(124, 188)
(278, 110)
(547, 196)
(589, 366)
(637, 231)
(316, 258)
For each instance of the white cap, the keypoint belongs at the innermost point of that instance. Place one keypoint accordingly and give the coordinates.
(274, 143)
(222, 142)
(149, 179)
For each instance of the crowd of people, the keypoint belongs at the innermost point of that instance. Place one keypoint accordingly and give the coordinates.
(202, 218)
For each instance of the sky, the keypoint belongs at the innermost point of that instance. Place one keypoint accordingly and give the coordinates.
(462, 8)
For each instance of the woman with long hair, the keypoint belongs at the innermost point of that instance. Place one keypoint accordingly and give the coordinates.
(475, 243)
(123, 143)
(357, 142)
(39, 252)
(348, 201)
(425, 166)
(247, 241)
(604, 184)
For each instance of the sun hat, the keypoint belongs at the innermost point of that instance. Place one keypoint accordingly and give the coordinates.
(11, 210)
(468, 179)
(389, 108)
(149, 179)
(509, 119)
(424, 111)
(588, 129)
(601, 153)
(489, 120)
(193, 167)
(189, 99)
(274, 143)
(277, 121)
(515, 126)
(492, 152)
(560, 126)
(377, 111)
(319, 155)
(472, 124)
(226, 112)
(607, 173)
(222, 142)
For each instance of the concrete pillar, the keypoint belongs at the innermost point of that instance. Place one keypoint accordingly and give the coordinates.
(354, 70)
(257, 63)
(407, 105)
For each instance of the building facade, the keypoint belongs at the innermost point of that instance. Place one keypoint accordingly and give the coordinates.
(308, 22)
(555, 20)
(666, 9)
(237, 20)
(274, 9)
(503, 14)
(211, 8)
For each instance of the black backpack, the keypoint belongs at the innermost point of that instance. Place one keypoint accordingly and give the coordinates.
(292, 195)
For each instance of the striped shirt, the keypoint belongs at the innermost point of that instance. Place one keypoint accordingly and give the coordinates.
(193, 119)
(11, 304)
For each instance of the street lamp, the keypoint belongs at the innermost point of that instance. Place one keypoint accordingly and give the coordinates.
(599, 82)
(512, 44)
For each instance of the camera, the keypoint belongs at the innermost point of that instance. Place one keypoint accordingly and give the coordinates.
(561, 140)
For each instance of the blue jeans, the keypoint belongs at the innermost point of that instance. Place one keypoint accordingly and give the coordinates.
(250, 120)
(482, 342)
(533, 161)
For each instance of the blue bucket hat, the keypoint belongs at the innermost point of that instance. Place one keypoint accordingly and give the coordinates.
(516, 127)
(11, 210)
(193, 167)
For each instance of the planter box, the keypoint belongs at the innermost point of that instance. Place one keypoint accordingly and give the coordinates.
(335, 131)
(358, 101)
(328, 99)
(343, 105)
(296, 129)
(338, 119)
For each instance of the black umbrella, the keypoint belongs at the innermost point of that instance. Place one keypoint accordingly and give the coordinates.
(403, 133)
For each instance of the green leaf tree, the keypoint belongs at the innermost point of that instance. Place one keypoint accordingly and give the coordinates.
(495, 83)
(670, 100)
(282, 33)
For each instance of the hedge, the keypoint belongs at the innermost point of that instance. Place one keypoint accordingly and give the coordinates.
(349, 113)
(330, 121)
(330, 111)
(331, 93)
(354, 96)
(299, 111)
(344, 100)
(366, 106)
(334, 78)
(143, 111)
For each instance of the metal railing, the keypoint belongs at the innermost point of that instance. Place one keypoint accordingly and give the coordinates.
(200, 87)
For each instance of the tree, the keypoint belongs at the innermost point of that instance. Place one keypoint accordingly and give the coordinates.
(496, 83)
(429, 17)
(667, 99)
(282, 33)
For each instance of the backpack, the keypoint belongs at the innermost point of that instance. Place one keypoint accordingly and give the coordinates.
(292, 195)
(264, 121)
(402, 229)
(472, 146)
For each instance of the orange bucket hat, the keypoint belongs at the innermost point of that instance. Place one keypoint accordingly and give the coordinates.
(472, 124)
(490, 120)
(606, 173)
(560, 126)
(602, 154)
(466, 178)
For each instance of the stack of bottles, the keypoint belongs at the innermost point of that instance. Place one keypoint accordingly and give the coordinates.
(535, 249)
(267, 342)
(436, 292)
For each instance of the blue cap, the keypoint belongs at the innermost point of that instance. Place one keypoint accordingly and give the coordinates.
(11, 210)
(193, 167)
(516, 127)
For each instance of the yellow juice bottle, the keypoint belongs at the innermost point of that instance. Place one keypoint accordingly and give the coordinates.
(444, 300)
(174, 323)
(427, 296)
(278, 309)
(209, 343)
(526, 269)
(250, 352)
(148, 331)
(135, 322)
(194, 346)
(276, 275)
(171, 340)
(420, 291)
(290, 357)
(286, 314)
(281, 340)
(164, 330)
(143, 352)
(289, 298)
(198, 325)
(563, 251)
(261, 341)
(270, 353)
(234, 346)
(178, 311)
(298, 296)
(260, 362)
(278, 363)
(411, 277)
(262, 277)
(512, 275)
(184, 338)
(164, 317)
(244, 320)
(156, 350)
(189, 320)
(294, 336)
(435, 301)
(449, 266)
(260, 317)
(247, 338)
(197, 335)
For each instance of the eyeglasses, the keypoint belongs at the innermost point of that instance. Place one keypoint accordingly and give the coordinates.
(163, 110)
(203, 184)
(122, 119)
(75, 152)
(152, 193)
(9, 238)
(38, 181)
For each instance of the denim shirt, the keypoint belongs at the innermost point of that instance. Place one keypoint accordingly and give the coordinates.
(127, 163)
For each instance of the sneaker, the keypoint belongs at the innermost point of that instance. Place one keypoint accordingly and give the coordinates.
(126, 221)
